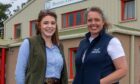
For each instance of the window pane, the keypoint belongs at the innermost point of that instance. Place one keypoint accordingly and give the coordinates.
(33, 25)
(73, 18)
(64, 20)
(70, 20)
(129, 10)
(85, 17)
(1, 32)
(78, 18)
(18, 31)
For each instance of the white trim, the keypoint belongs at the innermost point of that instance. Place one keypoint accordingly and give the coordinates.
(132, 61)
(72, 36)
(135, 10)
(73, 28)
(128, 32)
(14, 44)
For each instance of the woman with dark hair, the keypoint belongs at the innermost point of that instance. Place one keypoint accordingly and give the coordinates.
(100, 58)
(40, 58)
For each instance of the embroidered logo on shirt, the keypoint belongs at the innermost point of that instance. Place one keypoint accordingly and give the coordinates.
(96, 50)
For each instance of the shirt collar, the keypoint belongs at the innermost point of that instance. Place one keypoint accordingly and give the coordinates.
(52, 47)
(91, 39)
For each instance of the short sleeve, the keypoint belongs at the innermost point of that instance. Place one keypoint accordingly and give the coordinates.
(115, 49)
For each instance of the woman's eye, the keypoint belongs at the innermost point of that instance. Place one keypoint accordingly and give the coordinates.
(97, 19)
(46, 22)
(89, 20)
(53, 23)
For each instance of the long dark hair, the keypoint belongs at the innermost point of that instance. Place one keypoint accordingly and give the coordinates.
(42, 14)
(97, 9)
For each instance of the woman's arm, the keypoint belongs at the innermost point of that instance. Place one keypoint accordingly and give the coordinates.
(22, 62)
(121, 70)
(115, 50)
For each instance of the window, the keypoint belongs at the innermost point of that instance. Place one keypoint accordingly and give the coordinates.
(1, 33)
(73, 18)
(72, 62)
(128, 9)
(33, 28)
(17, 31)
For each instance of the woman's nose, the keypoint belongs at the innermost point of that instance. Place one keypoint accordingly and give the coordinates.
(49, 25)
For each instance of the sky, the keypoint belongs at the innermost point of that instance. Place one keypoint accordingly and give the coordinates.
(14, 3)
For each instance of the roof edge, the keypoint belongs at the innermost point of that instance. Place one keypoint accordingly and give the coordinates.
(28, 4)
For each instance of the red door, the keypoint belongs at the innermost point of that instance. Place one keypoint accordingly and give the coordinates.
(2, 65)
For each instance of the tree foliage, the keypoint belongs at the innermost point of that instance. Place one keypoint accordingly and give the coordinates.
(22, 5)
(3, 10)
(29, 0)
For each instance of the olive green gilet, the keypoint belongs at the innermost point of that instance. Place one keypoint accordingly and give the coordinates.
(36, 67)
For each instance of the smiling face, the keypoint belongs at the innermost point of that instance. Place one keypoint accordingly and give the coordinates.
(95, 23)
(48, 26)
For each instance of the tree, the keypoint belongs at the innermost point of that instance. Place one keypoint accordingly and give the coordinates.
(3, 10)
(29, 0)
(17, 9)
(23, 4)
